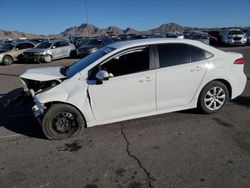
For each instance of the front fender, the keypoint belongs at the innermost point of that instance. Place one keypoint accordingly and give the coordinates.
(73, 94)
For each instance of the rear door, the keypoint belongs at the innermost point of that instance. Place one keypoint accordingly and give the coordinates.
(65, 49)
(181, 70)
(56, 50)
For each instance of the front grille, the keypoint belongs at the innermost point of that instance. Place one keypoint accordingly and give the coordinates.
(237, 38)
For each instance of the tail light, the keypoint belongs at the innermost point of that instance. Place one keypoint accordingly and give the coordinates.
(239, 61)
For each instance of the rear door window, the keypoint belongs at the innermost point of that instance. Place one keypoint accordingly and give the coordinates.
(29, 45)
(63, 43)
(20, 46)
(173, 54)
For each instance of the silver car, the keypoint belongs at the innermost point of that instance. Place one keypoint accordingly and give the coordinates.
(49, 50)
(233, 37)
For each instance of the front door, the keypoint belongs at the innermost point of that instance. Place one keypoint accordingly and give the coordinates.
(130, 89)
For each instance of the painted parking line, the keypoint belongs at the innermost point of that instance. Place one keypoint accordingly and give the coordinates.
(10, 136)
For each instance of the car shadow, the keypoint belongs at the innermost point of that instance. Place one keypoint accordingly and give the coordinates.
(18, 117)
(242, 101)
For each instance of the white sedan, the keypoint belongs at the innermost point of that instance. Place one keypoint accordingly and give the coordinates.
(133, 79)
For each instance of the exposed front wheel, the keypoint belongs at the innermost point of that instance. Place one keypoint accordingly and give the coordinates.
(213, 97)
(62, 121)
(47, 58)
(7, 60)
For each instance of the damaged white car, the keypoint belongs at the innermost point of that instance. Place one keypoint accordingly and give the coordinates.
(133, 79)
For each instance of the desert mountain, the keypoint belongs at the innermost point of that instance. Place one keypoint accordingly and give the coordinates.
(92, 30)
(15, 34)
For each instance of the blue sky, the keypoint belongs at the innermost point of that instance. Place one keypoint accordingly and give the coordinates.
(54, 16)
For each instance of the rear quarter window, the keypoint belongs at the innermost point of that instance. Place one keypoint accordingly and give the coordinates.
(196, 54)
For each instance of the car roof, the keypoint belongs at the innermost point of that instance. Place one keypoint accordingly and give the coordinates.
(57, 40)
(142, 42)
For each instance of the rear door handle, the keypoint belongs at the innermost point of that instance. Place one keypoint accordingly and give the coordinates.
(145, 79)
(197, 68)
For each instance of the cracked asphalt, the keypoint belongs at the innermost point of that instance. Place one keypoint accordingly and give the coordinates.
(180, 149)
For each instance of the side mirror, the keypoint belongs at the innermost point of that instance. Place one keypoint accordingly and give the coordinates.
(102, 75)
(53, 47)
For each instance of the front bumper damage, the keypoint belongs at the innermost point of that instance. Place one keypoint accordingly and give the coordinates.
(28, 97)
(38, 110)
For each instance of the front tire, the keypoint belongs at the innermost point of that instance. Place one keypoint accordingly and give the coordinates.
(62, 121)
(7, 60)
(47, 58)
(213, 97)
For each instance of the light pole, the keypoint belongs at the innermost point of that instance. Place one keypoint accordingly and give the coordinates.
(86, 10)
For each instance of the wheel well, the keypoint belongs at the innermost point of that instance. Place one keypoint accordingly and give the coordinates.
(226, 83)
(47, 105)
(8, 55)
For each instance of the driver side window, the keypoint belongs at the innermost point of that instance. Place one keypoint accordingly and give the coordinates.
(128, 63)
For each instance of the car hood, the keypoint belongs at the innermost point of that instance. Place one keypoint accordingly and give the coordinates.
(36, 50)
(85, 47)
(237, 35)
(43, 74)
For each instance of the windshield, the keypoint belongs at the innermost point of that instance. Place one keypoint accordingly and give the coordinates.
(44, 45)
(7, 46)
(86, 61)
(235, 32)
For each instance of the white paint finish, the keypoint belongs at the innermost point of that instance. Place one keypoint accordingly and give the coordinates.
(177, 85)
(137, 95)
(43, 74)
(128, 95)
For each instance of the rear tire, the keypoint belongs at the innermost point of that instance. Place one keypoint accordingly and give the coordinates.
(62, 121)
(72, 54)
(7, 60)
(213, 97)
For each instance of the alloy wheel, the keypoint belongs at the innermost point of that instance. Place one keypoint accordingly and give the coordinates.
(215, 98)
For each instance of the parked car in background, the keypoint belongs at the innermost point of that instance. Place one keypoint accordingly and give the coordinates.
(74, 38)
(47, 51)
(175, 35)
(214, 37)
(202, 37)
(234, 37)
(87, 46)
(1, 44)
(11, 52)
(247, 33)
(133, 79)
(37, 40)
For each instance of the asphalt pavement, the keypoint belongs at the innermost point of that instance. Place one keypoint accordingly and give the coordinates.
(180, 149)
